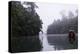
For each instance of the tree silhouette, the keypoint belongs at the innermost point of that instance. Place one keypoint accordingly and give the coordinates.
(24, 23)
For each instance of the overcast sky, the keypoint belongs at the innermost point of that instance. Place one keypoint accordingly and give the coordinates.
(50, 11)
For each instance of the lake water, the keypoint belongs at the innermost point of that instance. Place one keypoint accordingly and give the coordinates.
(56, 42)
(45, 44)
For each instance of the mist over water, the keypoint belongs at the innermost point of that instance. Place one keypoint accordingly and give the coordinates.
(49, 13)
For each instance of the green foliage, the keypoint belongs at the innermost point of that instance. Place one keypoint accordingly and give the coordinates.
(24, 22)
(25, 27)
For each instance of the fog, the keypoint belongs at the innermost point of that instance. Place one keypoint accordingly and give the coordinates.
(49, 12)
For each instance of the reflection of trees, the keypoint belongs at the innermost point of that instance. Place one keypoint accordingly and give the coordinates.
(24, 23)
(64, 25)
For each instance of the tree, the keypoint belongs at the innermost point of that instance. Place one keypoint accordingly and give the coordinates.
(24, 23)
(67, 23)
(32, 6)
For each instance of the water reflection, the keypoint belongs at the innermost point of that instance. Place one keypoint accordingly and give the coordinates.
(58, 42)
(45, 44)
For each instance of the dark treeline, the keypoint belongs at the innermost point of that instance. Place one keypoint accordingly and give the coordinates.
(25, 22)
(63, 26)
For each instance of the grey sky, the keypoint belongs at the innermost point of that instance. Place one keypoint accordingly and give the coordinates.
(50, 11)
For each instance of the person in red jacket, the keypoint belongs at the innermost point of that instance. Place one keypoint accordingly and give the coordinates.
(71, 36)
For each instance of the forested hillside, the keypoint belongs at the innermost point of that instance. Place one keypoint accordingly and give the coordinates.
(62, 26)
